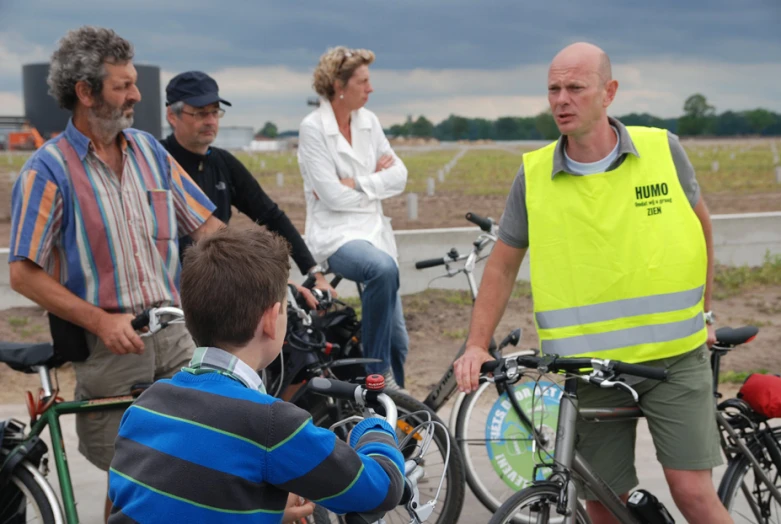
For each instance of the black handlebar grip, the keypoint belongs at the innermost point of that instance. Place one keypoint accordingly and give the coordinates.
(336, 280)
(309, 283)
(333, 388)
(141, 321)
(490, 366)
(640, 371)
(483, 223)
(431, 262)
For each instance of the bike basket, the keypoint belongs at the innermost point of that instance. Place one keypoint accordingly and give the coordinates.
(763, 394)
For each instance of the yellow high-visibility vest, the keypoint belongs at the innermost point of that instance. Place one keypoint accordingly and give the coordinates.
(618, 259)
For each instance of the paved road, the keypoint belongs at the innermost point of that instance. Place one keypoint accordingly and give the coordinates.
(90, 483)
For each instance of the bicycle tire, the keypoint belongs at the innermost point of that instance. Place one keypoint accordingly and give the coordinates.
(484, 481)
(535, 498)
(452, 496)
(740, 469)
(28, 491)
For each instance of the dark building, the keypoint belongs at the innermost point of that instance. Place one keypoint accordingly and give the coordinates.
(45, 115)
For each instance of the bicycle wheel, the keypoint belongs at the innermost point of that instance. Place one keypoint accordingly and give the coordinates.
(451, 498)
(498, 451)
(25, 500)
(744, 495)
(534, 505)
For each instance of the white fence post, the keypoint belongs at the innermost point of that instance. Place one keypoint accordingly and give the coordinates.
(412, 206)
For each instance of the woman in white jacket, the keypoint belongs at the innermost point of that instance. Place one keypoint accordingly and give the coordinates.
(348, 168)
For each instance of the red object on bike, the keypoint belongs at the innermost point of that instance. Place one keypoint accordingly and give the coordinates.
(763, 394)
(375, 382)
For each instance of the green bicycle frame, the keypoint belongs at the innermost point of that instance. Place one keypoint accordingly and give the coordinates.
(51, 418)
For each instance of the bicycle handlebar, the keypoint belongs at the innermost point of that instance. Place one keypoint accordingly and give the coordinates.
(486, 224)
(141, 321)
(640, 370)
(356, 393)
(554, 364)
(431, 262)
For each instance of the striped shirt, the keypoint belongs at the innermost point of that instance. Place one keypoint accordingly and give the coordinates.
(204, 447)
(112, 241)
(215, 360)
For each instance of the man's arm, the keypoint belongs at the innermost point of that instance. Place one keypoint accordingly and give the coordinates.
(691, 189)
(192, 207)
(255, 203)
(495, 289)
(114, 330)
(211, 225)
(701, 210)
(496, 286)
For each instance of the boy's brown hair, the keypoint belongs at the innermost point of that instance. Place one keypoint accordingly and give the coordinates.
(229, 279)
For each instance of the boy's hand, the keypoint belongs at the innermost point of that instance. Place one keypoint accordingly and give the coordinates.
(297, 508)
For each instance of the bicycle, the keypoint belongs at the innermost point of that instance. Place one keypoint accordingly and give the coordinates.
(748, 441)
(24, 455)
(472, 413)
(308, 354)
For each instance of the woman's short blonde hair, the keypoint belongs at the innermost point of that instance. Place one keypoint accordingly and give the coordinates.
(338, 63)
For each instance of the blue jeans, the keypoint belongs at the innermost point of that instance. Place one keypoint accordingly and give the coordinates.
(383, 331)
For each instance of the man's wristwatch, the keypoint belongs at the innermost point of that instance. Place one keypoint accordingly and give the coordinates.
(317, 268)
(710, 318)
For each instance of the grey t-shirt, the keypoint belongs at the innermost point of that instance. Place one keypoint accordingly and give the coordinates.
(514, 224)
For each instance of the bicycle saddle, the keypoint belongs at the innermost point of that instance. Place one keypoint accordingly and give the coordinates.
(728, 337)
(22, 357)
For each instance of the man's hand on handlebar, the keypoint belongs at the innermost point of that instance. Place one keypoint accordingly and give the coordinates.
(309, 298)
(116, 332)
(467, 368)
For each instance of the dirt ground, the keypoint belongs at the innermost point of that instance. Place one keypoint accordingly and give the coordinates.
(437, 322)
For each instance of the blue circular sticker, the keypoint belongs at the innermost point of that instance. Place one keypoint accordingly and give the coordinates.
(511, 447)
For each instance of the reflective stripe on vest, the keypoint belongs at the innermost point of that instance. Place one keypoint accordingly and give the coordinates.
(649, 334)
(617, 259)
(629, 307)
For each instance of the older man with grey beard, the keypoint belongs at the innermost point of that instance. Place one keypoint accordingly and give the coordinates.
(96, 214)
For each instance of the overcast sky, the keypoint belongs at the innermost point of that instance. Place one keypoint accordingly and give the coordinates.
(477, 58)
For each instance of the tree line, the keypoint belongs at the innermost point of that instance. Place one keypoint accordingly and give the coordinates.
(699, 119)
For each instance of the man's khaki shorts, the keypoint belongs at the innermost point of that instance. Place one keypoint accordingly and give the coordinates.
(681, 417)
(105, 374)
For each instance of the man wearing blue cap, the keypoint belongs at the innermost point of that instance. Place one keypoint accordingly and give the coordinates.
(194, 113)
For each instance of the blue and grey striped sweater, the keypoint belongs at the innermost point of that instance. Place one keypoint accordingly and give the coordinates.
(205, 448)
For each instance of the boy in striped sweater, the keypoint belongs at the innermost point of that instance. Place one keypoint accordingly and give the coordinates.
(209, 445)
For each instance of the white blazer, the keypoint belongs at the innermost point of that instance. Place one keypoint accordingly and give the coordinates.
(339, 214)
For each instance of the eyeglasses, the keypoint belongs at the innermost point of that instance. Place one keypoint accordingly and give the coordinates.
(203, 115)
(347, 54)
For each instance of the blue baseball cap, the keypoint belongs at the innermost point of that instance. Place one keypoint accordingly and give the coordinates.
(194, 88)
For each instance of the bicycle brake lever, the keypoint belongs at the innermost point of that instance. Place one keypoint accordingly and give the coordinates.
(620, 385)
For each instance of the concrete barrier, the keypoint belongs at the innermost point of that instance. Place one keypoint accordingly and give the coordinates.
(742, 239)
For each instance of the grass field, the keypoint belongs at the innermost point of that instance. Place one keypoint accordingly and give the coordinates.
(743, 168)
